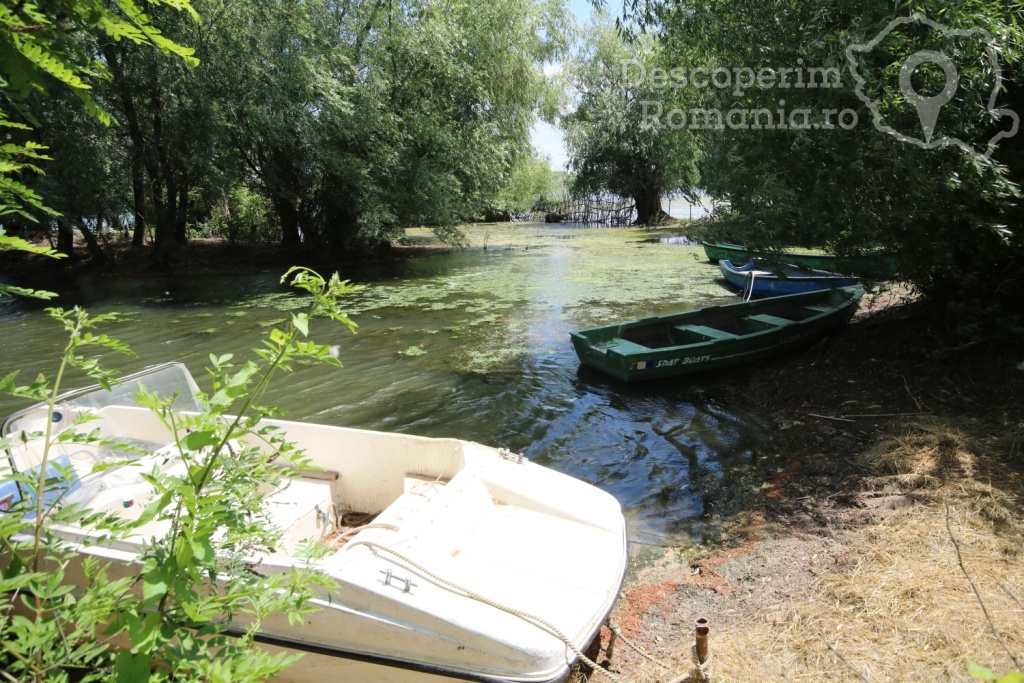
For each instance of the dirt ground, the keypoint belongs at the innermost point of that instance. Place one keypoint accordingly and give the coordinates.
(890, 544)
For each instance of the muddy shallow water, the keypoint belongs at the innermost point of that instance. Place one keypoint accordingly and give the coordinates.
(470, 343)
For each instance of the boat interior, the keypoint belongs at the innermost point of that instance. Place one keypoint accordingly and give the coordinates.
(717, 324)
(354, 475)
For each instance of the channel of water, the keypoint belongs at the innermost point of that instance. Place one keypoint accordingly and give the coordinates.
(470, 343)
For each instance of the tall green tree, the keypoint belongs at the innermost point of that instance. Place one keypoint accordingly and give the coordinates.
(444, 97)
(953, 212)
(356, 120)
(349, 120)
(532, 186)
(40, 48)
(85, 188)
(283, 75)
(619, 135)
(173, 129)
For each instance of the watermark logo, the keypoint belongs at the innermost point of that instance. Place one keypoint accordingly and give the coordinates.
(737, 81)
(929, 107)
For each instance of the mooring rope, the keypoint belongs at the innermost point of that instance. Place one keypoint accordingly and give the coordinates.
(637, 649)
(340, 538)
(532, 618)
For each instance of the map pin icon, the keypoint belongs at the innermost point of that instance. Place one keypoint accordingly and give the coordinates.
(928, 107)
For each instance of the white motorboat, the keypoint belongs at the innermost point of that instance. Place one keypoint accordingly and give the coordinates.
(478, 565)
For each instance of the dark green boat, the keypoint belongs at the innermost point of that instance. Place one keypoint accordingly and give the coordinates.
(714, 337)
(872, 266)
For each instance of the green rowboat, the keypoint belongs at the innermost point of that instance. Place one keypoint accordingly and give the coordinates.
(873, 266)
(714, 337)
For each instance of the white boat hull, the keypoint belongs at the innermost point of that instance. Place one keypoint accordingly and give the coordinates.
(478, 566)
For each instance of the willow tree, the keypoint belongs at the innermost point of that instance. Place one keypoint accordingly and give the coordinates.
(443, 98)
(621, 136)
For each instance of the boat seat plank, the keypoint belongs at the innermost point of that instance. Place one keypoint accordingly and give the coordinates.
(770, 319)
(706, 331)
(819, 309)
(622, 346)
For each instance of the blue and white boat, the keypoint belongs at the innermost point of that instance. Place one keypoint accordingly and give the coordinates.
(760, 279)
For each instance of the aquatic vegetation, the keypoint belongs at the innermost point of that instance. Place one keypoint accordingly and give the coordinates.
(279, 301)
(413, 351)
(576, 276)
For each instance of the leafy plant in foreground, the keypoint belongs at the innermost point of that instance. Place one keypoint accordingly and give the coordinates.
(166, 610)
(984, 674)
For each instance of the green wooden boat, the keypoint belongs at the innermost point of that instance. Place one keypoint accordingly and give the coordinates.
(881, 266)
(714, 337)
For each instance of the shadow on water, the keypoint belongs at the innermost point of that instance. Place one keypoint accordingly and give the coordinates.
(473, 344)
(681, 454)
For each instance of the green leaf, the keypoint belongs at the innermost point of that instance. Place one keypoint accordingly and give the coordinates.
(154, 508)
(157, 581)
(131, 668)
(196, 441)
(203, 551)
(301, 322)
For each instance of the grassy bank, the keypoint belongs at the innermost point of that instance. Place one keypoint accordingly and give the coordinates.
(889, 546)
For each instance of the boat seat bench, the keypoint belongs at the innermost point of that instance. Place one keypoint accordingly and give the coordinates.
(770, 319)
(623, 346)
(706, 331)
(819, 309)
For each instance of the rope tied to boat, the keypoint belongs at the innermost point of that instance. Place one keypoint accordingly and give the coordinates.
(748, 285)
(700, 673)
(636, 648)
(526, 616)
(345, 535)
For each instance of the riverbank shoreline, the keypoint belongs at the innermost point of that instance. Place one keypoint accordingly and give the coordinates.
(842, 568)
(219, 256)
(201, 256)
(888, 545)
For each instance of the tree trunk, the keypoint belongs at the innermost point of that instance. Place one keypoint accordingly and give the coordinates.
(95, 250)
(163, 225)
(138, 151)
(289, 216)
(139, 198)
(181, 215)
(648, 206)
(65, 239)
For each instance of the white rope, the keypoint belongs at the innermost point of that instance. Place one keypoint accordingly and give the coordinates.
(340, 538)
(748, 289)
(700, 673)
(637, 649)
(532, 618)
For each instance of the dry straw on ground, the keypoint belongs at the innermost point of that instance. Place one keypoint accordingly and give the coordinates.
(900, 604)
